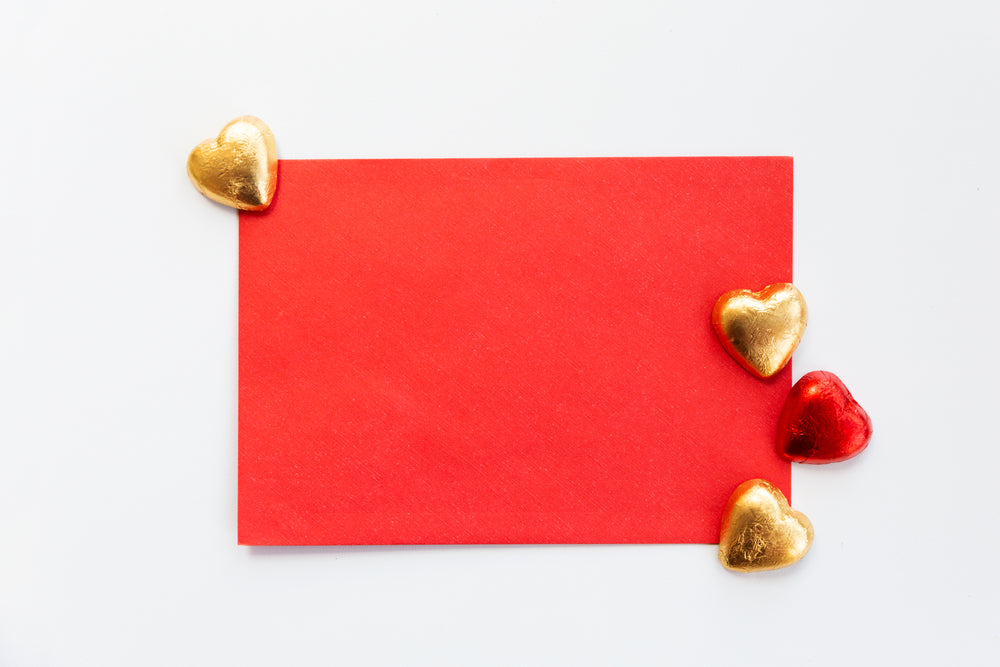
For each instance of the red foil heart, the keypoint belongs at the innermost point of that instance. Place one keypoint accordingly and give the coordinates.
(821, 422)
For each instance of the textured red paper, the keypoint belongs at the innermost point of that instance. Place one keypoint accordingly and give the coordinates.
(504, 350)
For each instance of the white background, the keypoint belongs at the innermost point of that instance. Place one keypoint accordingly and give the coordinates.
(118, 323)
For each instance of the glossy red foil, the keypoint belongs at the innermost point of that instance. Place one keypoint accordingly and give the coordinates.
(821, 422)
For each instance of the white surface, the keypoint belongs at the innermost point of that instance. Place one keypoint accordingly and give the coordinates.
(118, 323)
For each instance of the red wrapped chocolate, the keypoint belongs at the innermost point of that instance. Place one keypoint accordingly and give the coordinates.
(821, 422)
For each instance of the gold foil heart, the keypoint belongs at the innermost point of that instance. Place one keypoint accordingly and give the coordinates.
(760, 531)
(761, 329)
(239, 168)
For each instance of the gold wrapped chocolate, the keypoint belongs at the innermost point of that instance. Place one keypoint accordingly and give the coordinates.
(760, 531)
(239, 168)
(761, 329)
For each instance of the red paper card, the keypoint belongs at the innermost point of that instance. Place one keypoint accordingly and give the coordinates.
(504, 350)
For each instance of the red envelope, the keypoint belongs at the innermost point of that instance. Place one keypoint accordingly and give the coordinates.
(504, 350)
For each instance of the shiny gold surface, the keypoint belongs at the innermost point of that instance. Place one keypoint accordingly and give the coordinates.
(239, 168)
(761, 329)
(760, 531)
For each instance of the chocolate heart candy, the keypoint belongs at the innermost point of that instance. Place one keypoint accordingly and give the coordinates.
(821, 422)
(239, 168)
(761, 329)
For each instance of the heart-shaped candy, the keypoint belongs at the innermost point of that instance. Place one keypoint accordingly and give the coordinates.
(239, 168)
(821, 422)
(761, 329)
(760, 531)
